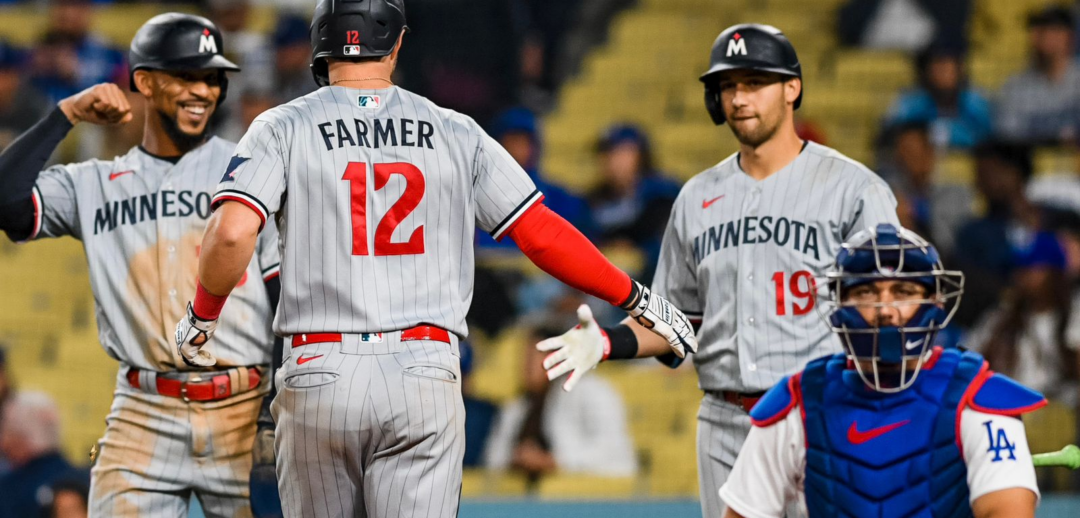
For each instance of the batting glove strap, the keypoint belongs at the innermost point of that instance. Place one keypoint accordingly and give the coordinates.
(658, 315)
(192, 333)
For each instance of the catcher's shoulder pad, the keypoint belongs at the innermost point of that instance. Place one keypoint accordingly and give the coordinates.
(776, 403)
(999, 394)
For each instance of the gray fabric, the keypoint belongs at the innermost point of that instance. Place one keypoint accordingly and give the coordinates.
(370, 430)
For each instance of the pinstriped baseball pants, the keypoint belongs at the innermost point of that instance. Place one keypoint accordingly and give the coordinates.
(722, 430)
(159, 451)
(370, 429)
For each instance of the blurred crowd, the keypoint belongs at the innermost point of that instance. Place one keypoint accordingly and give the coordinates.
(1016, 236)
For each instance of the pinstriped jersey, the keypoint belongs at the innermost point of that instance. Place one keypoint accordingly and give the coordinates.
(376, 194)
(741, 256)
(141, 220)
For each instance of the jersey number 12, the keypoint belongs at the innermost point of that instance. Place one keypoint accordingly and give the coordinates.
(356, 175)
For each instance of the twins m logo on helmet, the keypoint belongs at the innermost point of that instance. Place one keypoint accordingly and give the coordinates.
(736, 46)
(207, 42)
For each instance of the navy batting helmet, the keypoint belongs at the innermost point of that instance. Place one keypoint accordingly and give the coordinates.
(353, 29)
(887, 253)
(748, 46)
(177, 41)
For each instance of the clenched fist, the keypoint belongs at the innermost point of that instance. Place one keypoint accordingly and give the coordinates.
(101, 104)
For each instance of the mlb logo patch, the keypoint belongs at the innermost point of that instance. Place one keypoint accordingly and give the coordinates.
(371, 338)
(352, 50)
(370, 102)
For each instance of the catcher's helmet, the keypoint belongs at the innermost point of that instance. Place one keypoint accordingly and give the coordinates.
(177, 41)
(748, 46)
(887, 253)
(353, 29)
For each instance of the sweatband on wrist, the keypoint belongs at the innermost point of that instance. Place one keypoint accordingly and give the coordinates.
(207, 306)
(623, 342)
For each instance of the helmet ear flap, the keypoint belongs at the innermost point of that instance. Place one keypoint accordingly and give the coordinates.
(713, 104)
(321, 70)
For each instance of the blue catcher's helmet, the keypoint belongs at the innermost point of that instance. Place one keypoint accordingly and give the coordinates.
(888, 253)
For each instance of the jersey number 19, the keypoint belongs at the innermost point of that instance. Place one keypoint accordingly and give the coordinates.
(356, 175)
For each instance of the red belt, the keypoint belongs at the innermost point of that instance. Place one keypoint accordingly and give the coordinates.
(433, 333)
(747, 401)
(198, 387)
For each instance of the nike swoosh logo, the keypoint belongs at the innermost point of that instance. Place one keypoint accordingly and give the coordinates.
(856, 437)
(301, 360)
(114, 176)
(705, 204)
(909, 345)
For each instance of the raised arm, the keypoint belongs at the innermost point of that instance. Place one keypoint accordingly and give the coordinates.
(22, 162)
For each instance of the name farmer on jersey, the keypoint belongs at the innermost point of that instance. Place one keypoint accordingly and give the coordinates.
(381, 132)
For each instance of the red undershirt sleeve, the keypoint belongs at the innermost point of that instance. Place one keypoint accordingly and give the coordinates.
(553, 244)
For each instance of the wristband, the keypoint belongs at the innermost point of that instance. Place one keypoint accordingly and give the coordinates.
(207, 306)
(622, 343)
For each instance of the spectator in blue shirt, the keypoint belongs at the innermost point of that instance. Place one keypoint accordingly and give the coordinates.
(958, 116)
(518, 130)
(984, 246)
(632, 203)
(30, 439)
(69, 58)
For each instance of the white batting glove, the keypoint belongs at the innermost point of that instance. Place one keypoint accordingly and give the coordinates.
(658, 315)
(192, 333)
(579, 349)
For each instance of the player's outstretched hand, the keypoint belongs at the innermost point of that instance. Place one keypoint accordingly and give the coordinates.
(658, 315)
(578, 350)
(192, 334)
(101, 104)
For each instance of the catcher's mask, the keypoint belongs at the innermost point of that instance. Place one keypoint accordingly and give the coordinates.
(888, 253)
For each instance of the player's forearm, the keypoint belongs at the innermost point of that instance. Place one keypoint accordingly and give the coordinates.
(227, 248)
(20, 165)
(1016, 502)
(554, 245)
(732, 514)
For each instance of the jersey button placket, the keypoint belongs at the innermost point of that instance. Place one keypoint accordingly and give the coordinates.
(170, 232)
(749, 293)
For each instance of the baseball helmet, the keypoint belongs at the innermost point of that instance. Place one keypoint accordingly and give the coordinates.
(894, 254)
(748, 46)
(177, 41)
(353, 29)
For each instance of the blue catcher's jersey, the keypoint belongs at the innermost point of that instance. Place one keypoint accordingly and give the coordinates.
(877, 455)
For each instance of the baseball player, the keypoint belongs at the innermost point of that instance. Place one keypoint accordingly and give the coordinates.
(892, 427)
(744, 243)
(175, 430)
(377, 192)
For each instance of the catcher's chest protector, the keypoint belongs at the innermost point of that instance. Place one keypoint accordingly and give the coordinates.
(873, 455)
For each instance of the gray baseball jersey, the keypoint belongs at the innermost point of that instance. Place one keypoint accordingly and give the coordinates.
(741, 255)
(141, 220)
(376, 194)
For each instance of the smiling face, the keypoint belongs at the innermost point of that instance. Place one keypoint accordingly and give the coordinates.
(184, 101)
(757, 103)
